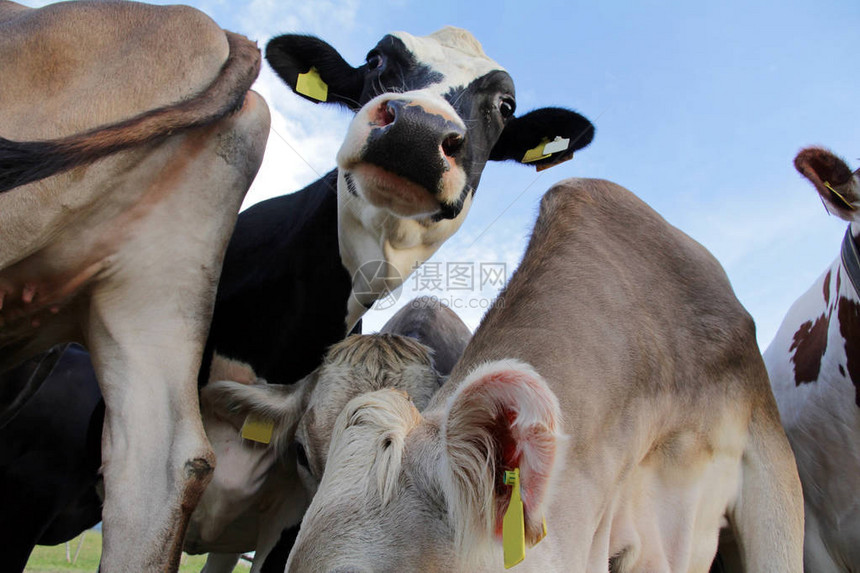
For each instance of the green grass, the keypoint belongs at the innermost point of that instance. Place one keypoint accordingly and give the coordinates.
(52, 559)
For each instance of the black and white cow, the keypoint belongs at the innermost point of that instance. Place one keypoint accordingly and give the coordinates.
(301, 269)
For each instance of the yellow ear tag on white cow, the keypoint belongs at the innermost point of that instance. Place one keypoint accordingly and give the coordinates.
(513, 523)
(536, 153)
(312, 85)
(258, 430)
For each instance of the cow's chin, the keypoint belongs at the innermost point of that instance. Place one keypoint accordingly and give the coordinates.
(394, 193)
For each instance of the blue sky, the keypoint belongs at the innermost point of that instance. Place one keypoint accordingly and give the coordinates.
(700, 108)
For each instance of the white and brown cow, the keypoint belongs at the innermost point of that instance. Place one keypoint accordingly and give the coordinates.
(814, 367)
(257, 490)
(128, 138)
(621, 377)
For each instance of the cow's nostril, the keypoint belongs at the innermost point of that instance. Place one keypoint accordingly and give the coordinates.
(452, 144)
(386, 113)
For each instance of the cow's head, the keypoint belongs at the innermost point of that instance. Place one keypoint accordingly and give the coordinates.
(304, 414)
(402, 490)
(836, 184)
(430, 112)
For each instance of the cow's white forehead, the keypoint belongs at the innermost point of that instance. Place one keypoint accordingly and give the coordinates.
(453, 52)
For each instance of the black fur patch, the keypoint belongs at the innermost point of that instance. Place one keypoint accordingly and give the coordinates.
(282, 298)
(526, 132)
(477, 105)
(292, 54)
(452, 210)
(399, 72)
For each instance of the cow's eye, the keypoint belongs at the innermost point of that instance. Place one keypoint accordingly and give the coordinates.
(507, 107)
(375, 60)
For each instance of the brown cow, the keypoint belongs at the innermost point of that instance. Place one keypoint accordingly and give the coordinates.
(620, 349)
(259, 491)
(128, 138)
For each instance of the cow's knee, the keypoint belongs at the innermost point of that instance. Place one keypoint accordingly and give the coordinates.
(198, 473)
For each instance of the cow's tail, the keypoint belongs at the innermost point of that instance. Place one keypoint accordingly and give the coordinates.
(23, 162)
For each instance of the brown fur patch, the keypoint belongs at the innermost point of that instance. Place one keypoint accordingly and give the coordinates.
(822, 164)
(198, 474)
(849, 327)
(827, 288)
(831, 177)
(809, 345)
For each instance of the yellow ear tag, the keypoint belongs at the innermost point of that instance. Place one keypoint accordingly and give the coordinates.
(536, 153)
(844, 201)
(257, 430)
(312, 85)
(513, 523)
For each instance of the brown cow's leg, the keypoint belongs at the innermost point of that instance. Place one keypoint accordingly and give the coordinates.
(768, 515)
(148, 321)
(156, 458)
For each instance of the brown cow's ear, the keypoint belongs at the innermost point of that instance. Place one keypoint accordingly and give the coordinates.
(838, 187)
(294, 55)
(524, 138)
(503, 412)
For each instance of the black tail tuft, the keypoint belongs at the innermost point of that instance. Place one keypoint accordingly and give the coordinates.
(28, 161)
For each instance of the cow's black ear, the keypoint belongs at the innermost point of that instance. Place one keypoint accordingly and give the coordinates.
(525, 134)
(291, 55)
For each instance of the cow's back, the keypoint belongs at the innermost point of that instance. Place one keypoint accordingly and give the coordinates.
(90, 64)
(622, 296)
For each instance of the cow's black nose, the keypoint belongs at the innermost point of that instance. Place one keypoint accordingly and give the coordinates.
(428, 124)
(415, 140)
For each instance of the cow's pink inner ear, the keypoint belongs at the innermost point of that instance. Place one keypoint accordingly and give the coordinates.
(523, 432)
(507, 458)
(533, 451)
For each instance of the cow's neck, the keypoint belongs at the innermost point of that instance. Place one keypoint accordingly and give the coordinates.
(367, 234)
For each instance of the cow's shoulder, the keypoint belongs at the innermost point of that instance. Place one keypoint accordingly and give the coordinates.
(95, 63)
